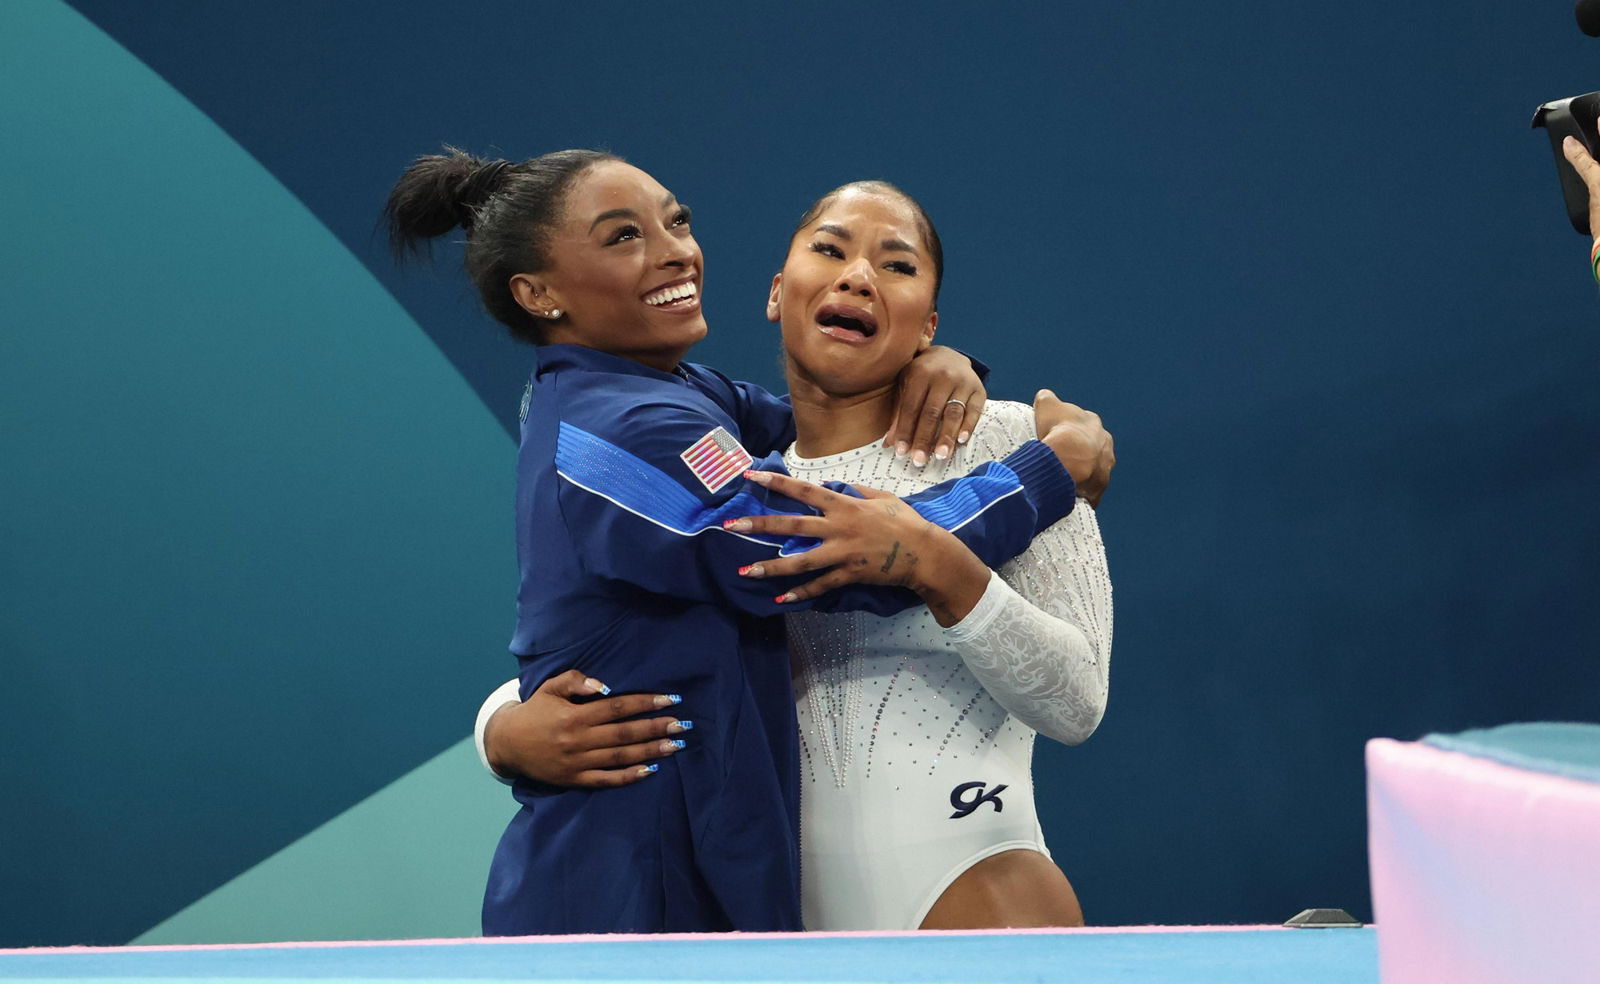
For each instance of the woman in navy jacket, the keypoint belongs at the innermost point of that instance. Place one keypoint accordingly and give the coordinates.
(631, 479)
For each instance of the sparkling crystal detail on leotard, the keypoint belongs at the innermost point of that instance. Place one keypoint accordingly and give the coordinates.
(866, 684)
(896, 712)
(827, 649)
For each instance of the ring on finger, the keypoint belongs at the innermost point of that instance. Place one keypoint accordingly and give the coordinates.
(963, 403)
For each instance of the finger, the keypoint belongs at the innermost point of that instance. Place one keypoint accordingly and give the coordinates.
(806, 492)
(637, 753)
(930, 420)
(913, 394)
(836, 578)
(612, 778)
(609, 736)
(573, 683)
(781, 524)
(1579, 157)
(610, 709)
(955, 414)
(893, 436)
(814, 559)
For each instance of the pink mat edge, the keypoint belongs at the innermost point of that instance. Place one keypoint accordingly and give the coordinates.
(638, 938)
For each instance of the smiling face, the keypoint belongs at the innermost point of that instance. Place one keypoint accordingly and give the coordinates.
(856, 294)
(624, 270)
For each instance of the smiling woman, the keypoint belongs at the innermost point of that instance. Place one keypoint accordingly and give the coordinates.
(635, 537)
(624, 272)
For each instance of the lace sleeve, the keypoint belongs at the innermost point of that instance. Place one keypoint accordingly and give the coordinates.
(1040, 639)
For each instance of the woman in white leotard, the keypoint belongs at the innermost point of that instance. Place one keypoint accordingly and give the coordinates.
(917, 730)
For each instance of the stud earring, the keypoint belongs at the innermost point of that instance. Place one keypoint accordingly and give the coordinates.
(553, 313)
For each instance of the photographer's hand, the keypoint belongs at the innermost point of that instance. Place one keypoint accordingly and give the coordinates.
(1589, 171)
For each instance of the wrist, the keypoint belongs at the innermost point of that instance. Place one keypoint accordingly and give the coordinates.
(949, 578)
(493, 750)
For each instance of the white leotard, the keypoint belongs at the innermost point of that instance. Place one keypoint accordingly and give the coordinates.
(908, 731)
(899, 717)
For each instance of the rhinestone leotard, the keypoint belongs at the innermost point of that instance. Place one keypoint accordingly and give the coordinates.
(909, 731)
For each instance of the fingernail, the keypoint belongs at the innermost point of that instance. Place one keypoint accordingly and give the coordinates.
(672, 745)
(677, 726)
(758, 477)
(920, 458)
(784, 598)
(942, 452)
(740, 525)
(596, 686)
(667, 700)
(963, 437)
(900, 449)
(750, 570)
(645, 770)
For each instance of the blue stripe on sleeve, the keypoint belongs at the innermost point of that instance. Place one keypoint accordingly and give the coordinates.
(598, 466)
(969, 496)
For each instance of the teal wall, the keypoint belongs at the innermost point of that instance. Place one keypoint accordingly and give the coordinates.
(256, 553)
(255, 503)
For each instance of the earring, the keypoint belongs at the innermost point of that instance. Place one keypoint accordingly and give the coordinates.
(553, 313)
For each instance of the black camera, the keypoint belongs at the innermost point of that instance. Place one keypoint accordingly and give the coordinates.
(1572, 117)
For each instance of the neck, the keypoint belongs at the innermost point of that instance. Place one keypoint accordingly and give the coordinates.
(661, 360)
(827, 423)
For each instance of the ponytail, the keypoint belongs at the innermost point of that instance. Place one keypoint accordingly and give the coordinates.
(508, 210)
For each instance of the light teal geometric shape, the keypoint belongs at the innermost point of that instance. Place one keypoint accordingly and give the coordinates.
(255, 530)
(408, 862)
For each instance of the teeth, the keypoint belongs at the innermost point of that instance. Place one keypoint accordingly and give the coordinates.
(668, 294)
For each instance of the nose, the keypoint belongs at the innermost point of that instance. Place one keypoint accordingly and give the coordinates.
(856, 278)
(675, 251)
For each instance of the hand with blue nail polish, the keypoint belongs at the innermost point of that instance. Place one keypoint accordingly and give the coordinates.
(571, 733)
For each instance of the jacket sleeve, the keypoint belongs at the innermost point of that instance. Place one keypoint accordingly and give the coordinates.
(766, 422)
(645, 503)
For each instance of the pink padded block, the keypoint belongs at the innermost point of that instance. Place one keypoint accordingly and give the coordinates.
(1481, 873)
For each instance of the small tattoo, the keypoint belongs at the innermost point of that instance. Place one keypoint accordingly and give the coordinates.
(893, 553)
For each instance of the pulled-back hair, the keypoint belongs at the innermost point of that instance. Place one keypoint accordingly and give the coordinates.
(930, 235)
(507, 208)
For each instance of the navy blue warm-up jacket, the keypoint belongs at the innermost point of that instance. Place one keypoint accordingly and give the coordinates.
(624, 477)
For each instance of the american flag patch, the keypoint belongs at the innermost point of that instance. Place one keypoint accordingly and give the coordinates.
(717, 459)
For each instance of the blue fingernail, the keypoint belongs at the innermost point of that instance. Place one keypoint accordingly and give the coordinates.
(650, 768)
(677, 743)
(674, 698)
(685, 725)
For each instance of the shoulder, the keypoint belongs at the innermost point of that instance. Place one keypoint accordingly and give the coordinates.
(633, 410)
(654, 437)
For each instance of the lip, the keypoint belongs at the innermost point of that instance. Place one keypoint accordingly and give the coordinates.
(843, 334)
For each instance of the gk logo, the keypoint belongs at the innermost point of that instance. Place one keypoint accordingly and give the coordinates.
(965, 806)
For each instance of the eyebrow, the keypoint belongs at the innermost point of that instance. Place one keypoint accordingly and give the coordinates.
(896, 245)
(628, 213)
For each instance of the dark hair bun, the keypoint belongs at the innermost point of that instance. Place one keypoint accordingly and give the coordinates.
(437, 193)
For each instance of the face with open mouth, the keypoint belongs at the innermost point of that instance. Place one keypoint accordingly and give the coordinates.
(856, 294)
(625, 273)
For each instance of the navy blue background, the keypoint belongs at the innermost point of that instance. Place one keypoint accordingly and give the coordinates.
(1307, 260)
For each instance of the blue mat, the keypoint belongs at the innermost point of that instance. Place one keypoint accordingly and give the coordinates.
(1262, 956)
(1557, 748)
